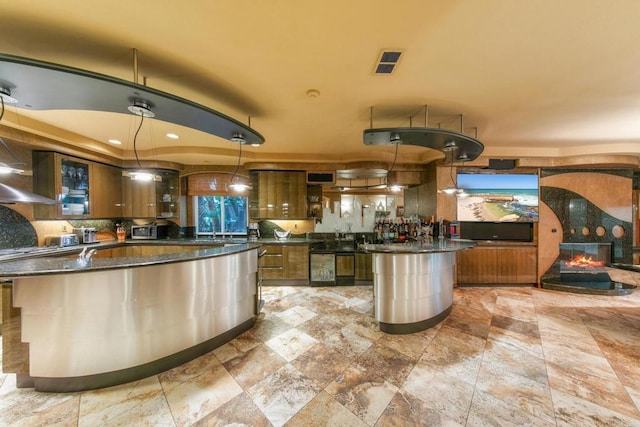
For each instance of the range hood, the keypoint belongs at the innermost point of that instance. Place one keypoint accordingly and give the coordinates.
(13, 195)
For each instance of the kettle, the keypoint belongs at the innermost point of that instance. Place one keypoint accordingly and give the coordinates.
(253, 231)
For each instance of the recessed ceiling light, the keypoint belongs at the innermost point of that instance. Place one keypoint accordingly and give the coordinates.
(115, 141)
(172, 136)
(255, 145)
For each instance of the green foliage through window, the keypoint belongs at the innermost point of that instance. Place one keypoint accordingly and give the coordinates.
(221, 215)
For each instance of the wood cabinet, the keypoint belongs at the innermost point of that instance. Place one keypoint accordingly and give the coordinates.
(314, 201)
(151, 199)
(285, 262)
(139, 198)
(106, 191)
(78, 184)
(278, 195)
(497, 264)
(364, 270)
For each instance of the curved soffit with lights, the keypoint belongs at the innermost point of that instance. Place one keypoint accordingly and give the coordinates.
(38, 85)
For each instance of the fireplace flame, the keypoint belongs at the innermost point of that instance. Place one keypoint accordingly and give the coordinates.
(583, 261)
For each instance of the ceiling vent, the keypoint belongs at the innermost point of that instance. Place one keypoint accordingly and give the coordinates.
(387, 61)
(323, 178)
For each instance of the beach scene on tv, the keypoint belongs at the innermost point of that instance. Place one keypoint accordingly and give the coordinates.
(500, 197)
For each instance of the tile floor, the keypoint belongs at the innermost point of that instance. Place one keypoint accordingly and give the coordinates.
(504, 357)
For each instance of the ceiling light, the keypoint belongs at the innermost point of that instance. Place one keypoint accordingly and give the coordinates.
(449, 146)
(395, 138)
(115, 141)
(142, 176)
(396, 188)
(141, 108)
(5, 94)
(239, 186)
(237, 137)
(6, 169)
(172, 136)
(255, 145)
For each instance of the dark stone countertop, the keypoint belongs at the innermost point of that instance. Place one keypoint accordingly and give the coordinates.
(446, 245)
(56, 263)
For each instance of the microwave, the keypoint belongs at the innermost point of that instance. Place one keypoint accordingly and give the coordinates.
(148, 232)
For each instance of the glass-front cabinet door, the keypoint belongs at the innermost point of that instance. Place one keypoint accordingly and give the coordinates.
(74, 188)
(63, 178)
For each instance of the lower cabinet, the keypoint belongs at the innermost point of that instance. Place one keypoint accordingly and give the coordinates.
(363, 267)
(285, 262)
(497, 265)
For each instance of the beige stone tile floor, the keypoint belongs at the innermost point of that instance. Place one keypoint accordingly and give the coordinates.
(504, 357)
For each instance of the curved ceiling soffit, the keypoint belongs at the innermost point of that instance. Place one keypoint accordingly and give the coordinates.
(37, 85)
(461, 147)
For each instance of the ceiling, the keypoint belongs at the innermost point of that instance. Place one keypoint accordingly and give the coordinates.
(529, 79)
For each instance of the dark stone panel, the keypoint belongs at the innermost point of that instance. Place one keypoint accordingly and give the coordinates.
(627, 173)
(17, 230)
(575, 212)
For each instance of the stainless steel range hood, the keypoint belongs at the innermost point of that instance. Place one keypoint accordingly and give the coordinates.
(13, 195)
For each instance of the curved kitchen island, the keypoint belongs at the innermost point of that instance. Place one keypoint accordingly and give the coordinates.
(413, 283)
(106, 321)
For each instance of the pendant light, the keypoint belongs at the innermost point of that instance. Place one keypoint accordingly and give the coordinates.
(238, 186)
(450, 150)
(142, 109)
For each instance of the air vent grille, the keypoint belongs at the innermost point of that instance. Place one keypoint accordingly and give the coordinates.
(387, 61)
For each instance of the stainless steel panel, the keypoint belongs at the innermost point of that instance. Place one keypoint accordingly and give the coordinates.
(96, 322)
(410, 288)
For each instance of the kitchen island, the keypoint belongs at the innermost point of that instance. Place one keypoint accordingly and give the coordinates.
(413, 283)
(105, 321)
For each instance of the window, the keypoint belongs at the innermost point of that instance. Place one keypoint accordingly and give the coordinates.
(221, 215)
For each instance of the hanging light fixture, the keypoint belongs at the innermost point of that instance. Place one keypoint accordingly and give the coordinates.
(450, 148)
(142, 109)
(434, 138)
(238, 186)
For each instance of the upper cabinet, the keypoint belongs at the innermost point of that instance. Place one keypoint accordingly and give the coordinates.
(278, 195)
(151, 199)
(66, 179)
(89, 189)
(314, 201)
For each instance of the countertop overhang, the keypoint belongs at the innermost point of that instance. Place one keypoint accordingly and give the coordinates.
(446, 245)
(56, 263)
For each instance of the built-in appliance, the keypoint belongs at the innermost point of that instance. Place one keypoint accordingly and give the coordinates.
(148, 232)
(86, 234)
(62, 241)
(332, 262)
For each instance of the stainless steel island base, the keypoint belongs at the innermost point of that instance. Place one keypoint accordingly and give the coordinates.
(100, 327)
(413, 283)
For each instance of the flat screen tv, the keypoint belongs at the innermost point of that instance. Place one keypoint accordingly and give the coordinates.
(507, 197)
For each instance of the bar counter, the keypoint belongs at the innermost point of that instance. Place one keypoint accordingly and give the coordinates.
(105, 321)
(413, 283)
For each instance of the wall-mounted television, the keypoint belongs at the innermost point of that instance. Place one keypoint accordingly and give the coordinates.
(505, 197)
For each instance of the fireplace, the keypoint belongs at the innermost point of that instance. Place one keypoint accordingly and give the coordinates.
(582, 268)
(583, 263)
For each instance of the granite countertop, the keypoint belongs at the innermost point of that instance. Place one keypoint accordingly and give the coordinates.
(56, 263)
(446, 245)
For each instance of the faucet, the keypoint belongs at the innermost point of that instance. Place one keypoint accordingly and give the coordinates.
(84, 257)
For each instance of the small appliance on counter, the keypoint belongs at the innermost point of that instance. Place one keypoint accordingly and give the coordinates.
(149, 232)
(86, 234)
(253, 233)
(63, 241)
(282, 235)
